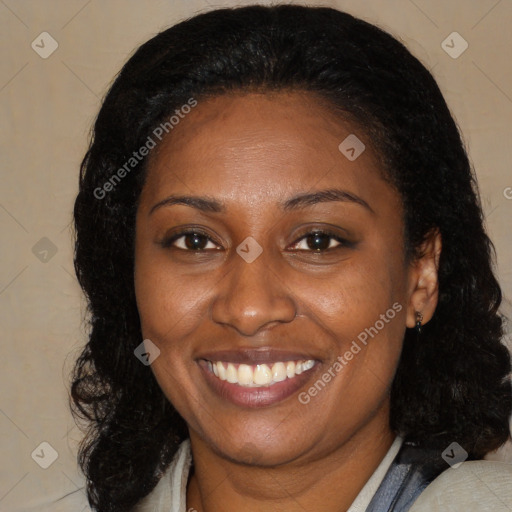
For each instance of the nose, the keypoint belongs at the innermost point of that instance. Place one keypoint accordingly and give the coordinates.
(253, 296)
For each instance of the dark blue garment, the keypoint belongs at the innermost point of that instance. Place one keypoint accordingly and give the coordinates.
(411, 471)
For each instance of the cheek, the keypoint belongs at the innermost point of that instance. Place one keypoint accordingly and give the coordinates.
(168, 305)
(169, 311)
(167, 299)
(362, 307)
(356, 294)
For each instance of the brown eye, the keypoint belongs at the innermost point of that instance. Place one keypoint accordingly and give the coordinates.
(320, 241)
(189, 240)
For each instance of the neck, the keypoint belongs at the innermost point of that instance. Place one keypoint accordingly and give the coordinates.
(329, 482)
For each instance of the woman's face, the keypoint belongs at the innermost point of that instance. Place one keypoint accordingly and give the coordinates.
(252, 288)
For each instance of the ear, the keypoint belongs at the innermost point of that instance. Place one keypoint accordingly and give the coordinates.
(423, 280)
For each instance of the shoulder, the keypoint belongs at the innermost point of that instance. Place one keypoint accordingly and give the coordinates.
(472, 486)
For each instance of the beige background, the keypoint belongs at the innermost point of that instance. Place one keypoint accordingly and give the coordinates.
(47, 108)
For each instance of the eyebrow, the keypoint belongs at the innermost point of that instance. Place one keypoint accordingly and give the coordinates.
(208, 204)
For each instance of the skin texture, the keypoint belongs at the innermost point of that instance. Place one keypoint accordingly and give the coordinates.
(252, 152)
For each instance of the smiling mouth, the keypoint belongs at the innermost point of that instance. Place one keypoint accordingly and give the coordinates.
(258, 375)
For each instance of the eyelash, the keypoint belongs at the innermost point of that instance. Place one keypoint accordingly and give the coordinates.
(168, 242)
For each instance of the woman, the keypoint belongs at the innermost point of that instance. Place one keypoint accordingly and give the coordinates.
(292, 299)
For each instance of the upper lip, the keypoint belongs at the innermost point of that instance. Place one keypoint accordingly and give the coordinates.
(259, 355)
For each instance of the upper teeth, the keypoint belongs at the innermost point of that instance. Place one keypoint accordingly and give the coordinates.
(259, 374)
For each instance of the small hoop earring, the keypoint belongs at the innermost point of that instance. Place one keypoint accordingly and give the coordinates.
(419, 319)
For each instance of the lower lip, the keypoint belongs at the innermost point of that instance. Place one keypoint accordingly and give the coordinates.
(256, 397)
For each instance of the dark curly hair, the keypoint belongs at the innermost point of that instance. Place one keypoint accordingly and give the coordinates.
(451, 385)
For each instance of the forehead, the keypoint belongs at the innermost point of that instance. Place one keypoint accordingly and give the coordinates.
(252, 146)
